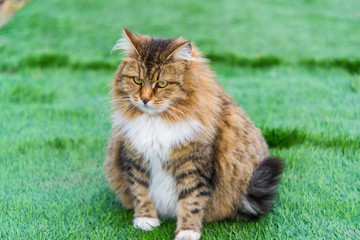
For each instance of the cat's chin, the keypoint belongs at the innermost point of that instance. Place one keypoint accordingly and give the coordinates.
(150, 111)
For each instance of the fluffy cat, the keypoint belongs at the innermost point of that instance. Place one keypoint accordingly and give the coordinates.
(180, 147)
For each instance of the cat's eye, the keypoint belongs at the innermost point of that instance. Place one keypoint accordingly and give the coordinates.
(162, 84)
(137, 80)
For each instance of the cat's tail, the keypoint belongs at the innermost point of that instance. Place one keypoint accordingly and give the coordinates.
(260, 195)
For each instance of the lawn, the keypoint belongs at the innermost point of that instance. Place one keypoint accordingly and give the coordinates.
(293, 66)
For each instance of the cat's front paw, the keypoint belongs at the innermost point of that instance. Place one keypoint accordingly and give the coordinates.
(187, 235)
(146, 223)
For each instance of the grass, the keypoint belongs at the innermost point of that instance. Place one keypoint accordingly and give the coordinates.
(291, 66)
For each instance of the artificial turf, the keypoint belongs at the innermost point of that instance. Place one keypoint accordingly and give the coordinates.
(293, 67)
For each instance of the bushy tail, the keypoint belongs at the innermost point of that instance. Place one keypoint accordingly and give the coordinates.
(260, 195)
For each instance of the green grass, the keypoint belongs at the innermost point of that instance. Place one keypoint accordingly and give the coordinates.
(293, 67)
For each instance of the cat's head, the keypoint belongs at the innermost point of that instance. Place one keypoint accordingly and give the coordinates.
(156, 76)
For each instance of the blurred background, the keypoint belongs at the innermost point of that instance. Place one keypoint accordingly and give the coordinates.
(294, 66)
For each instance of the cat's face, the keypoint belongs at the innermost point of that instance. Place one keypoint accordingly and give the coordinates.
(153, 89)
(155, 77)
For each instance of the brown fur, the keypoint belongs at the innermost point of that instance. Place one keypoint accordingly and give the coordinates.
(213, 170)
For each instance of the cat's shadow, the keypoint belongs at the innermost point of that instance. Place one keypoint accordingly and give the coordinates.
(107, 208)
(105, 205)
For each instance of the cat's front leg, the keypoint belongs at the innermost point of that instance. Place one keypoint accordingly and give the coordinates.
(194, 188)
(145, 216)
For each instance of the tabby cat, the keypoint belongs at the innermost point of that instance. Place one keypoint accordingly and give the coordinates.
(180, 147)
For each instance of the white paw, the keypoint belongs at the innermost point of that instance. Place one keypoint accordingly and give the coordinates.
(146, 223)
(187, 235)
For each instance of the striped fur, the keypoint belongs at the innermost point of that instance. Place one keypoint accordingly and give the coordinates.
(187, 152)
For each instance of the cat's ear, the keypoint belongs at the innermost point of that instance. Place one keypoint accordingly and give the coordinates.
(182, 51)
(130, 42)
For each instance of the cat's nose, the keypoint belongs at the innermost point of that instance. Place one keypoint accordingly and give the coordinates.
(145, 100)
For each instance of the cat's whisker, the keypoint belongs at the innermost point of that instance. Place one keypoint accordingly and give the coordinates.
(187, 116)
(181, 106)
(119, 100)
(177, 117)
(174, 108)
(188, 113)
(105, 108)
(129, 108)
(121, 105)
(123, 97)
(164, 115)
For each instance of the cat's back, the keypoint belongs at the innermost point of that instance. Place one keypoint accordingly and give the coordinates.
(238, 135)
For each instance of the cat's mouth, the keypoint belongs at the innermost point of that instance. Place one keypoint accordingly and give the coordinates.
(150, 108)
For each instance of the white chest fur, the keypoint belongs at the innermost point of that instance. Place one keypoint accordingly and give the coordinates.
(154, 138)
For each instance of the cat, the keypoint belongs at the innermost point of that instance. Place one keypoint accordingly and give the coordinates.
(180, 147)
